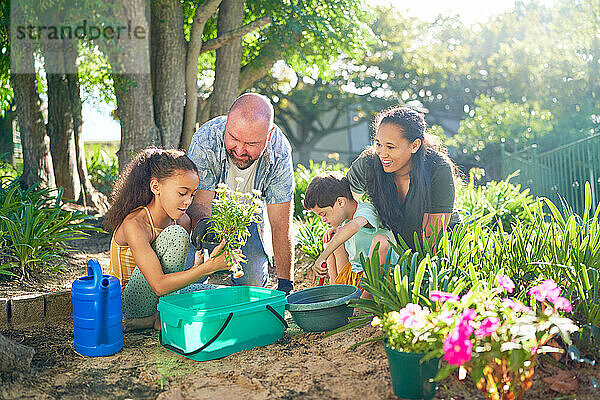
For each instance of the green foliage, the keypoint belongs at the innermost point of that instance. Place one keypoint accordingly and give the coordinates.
(309, 108)
(493, 122)
(303, 176)
(310, 237)
(7, 170)
(36, 229)
(502, 200)
(503, 76)
(103, 169)
(311, 33)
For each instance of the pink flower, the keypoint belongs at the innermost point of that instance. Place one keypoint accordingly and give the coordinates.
(488, 326)
(545, 290)
(515, 305)
(457, 348)
(505, 283)
(563, 304)
(437, 295)
(413, 316)
(446, 317)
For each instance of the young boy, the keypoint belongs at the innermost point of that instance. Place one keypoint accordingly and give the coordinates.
(328, 195)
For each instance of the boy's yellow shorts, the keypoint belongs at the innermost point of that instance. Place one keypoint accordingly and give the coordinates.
(348, 277)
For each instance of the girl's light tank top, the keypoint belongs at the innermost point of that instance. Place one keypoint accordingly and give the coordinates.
(122, 263)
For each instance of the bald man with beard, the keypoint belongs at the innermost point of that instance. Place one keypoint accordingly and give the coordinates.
(247, 144)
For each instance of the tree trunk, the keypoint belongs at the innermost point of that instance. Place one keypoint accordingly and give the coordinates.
(133, 87)
(37, 162)
(90, 196)
(229, 59)
(249, 74)
(135, 111)
(7, 146)
(303, 152)
(14, 356)
(167, 54)
(202, 14)
(60, 126)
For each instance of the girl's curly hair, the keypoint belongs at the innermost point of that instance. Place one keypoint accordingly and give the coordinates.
(132, 188)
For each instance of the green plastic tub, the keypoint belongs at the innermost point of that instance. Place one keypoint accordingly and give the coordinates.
(216, 323)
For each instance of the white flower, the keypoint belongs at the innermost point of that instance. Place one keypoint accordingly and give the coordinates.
(239, 179)
(257, 202)
(256, 192)
(238, 274)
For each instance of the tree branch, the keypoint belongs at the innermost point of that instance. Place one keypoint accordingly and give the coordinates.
(202, 14)
(259, 66)
(335, 120)
(227, 37)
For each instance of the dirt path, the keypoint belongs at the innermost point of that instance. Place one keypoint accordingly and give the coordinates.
(299, 366)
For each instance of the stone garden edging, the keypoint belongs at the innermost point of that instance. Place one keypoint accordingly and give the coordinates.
(23, 311)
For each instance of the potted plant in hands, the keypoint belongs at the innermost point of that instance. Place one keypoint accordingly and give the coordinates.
(232, 213)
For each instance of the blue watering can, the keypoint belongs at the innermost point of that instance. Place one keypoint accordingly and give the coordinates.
(97, 313)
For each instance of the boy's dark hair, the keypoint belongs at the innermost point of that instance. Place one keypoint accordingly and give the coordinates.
(132, 188)
(324, 189)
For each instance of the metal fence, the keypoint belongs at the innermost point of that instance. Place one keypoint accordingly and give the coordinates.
(559, 173)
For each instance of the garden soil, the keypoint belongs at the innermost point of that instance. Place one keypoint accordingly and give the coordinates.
(301, 365)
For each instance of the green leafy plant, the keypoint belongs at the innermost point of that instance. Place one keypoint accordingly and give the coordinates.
(103, 169)
(310, 237)
(233, 212)
(36, 229)
(7, 170)
(505, 202)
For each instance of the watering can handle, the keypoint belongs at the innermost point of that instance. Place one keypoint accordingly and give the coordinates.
(94, 269)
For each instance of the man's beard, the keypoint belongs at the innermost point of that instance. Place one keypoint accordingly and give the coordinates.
(241, 164)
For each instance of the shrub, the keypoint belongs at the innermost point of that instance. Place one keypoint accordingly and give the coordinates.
(303, 176)
(310, 237)
(103, 169)
(503, 200)
(7, 170)
(35, 228)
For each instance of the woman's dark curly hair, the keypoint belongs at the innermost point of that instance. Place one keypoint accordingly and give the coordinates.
(132, 188)
(381, 187)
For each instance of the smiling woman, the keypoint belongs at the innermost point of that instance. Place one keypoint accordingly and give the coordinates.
(406, 174)
(151, 232)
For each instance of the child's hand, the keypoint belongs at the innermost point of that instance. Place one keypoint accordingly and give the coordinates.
(219, 260)
(329, 233)
(319, 268)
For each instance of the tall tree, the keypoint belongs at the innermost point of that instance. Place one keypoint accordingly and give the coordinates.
(306, 32)
(37, 161)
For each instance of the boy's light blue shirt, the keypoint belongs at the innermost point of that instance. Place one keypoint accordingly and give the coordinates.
(274, 172)
(360, 242)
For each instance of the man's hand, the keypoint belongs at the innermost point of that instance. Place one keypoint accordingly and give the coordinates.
(199, 231)
(285, 285)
